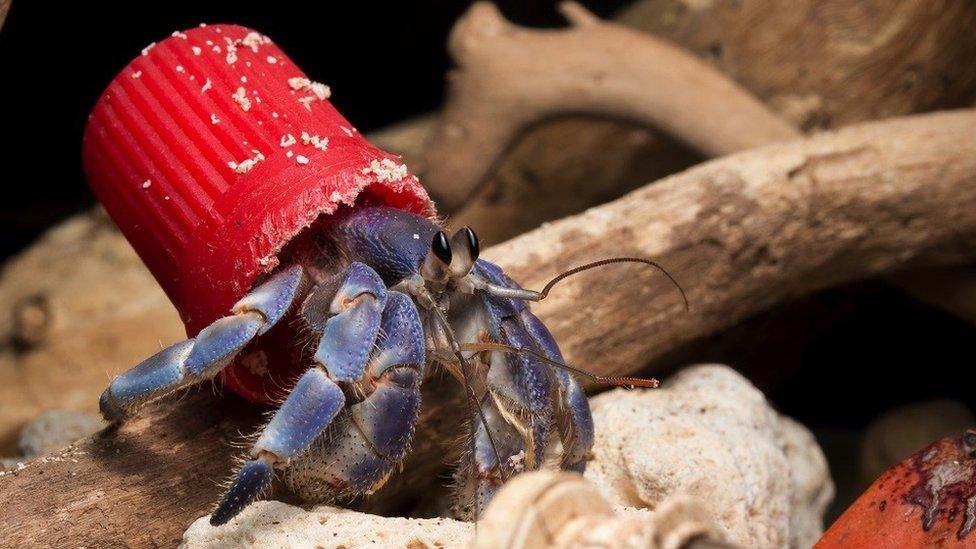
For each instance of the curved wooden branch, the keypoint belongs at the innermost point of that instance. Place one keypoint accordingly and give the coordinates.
(741, 233)
(511, 77)
(4, 8)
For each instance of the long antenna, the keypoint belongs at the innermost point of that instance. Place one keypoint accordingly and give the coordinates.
(608, 261)
(532, 295)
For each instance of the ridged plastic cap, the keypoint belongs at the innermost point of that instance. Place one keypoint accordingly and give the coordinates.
(212, 150)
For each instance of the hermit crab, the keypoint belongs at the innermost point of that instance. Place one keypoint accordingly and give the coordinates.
(341, 289)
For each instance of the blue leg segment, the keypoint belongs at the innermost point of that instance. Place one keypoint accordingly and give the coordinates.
(313, 403)
(203, 356)
(511, 322)
(526, 380)
(358, 454)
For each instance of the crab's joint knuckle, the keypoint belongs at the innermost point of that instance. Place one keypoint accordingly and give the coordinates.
(360, 281)
(349, 335)
(216, 345)
(273, 298)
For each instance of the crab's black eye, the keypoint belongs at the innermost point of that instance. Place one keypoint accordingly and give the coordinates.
(474, 247)
(441, 247)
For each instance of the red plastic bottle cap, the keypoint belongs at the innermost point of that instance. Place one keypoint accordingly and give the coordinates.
(212, 150)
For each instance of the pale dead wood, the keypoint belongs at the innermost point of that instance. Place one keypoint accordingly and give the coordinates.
(859, 61)
(79, 308)
(510, 77)
(741, 233)
(829, 63)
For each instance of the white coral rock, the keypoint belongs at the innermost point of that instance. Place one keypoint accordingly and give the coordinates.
(710, 433)
(282, 526)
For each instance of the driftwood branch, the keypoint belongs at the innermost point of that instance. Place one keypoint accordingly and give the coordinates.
(859, 62)
(741, 233)
(4, 8)
(510, 77)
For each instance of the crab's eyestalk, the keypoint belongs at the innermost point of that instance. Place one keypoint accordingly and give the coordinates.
(466, 248)
(437, 264)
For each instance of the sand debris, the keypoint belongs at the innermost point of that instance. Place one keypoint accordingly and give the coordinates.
(253, 40)
(386, 170)
(245, 166)
(240, 97)
(321, 143)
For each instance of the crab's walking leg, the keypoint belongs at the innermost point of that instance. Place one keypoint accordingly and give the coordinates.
(480, 477)
(313, 403)
(203, 356)
(371, 438)
(349, 334)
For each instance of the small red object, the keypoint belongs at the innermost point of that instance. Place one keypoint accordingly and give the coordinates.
(927, 500)
(211, 151)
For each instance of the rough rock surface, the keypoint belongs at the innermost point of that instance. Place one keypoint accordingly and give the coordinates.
(283, 526)
(273, 524)
(902, 431)
(56, 429)
(709, 433)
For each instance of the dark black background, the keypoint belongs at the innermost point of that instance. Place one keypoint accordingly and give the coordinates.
(56, 58)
